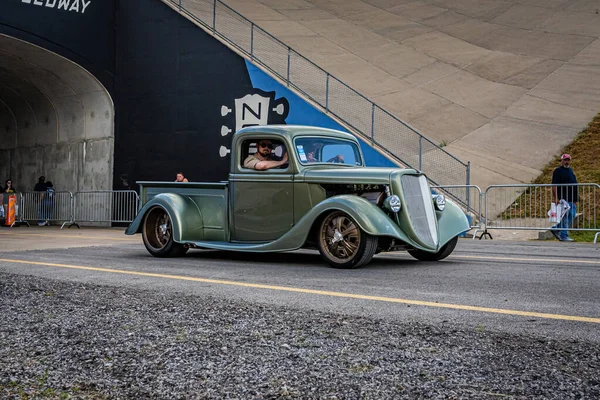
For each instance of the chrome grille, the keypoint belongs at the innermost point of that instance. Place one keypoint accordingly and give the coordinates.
(419, 207)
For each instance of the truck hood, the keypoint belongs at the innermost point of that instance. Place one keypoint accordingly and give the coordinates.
(365, 175)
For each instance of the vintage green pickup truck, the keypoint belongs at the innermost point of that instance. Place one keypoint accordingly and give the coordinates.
(317, 194)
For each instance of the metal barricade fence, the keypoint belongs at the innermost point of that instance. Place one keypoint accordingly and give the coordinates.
(105, 206)
(65, 207)
(377, 126)
(469, 198)
(46, 207)
(526, 206)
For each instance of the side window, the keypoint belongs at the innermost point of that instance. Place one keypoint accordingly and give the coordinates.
(256, 150)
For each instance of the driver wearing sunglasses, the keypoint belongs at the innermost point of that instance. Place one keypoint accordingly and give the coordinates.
(263, 159)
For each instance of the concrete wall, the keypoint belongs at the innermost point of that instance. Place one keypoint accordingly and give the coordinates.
(56, 120)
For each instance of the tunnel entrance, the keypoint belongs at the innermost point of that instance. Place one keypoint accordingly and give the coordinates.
(56, 120)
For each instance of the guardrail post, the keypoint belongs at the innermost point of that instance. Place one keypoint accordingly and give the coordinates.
(327, 93)
(73, 211)
(288, 66)
(214, 16)
(468, 184)
(372, 123)
(179, 5)
(420, 153)
(252, 41)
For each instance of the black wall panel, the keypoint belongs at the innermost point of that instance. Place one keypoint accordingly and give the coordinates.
(172, 79)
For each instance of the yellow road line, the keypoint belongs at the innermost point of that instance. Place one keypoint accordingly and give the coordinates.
(494, 258)
(70, 236)
(561, 260)
(319, 292)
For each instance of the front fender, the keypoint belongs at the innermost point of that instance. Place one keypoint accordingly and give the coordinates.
(184, 213)
(367, 215)
(451, 222)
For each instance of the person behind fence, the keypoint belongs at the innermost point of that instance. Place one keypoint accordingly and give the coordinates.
(48, 204)
(6, 192)
(40, 187)
(180, 178)
(564, 175)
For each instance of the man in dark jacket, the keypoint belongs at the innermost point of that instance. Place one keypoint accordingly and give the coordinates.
(565, 177)
(41, 187)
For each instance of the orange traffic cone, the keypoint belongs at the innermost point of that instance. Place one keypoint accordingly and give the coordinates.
(11, 213)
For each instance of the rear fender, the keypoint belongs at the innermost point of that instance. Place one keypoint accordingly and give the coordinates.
(176, 206)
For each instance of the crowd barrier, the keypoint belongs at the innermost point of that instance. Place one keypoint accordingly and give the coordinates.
(514, 207)
(527, 207)
(106, 206)
(68, 208)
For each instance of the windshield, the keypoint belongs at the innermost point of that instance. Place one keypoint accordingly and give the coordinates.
(327, 150)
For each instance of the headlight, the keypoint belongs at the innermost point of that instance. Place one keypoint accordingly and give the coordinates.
(439, 201)
(392, 203)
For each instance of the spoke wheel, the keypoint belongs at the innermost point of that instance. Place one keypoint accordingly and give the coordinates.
(444, 252)
(342, 243)
(157, 234)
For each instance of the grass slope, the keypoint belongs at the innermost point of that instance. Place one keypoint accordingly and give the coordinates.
(585, 152)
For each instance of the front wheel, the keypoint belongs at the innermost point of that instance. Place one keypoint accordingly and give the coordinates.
(444, 252)
(343, 244)
(157, 234)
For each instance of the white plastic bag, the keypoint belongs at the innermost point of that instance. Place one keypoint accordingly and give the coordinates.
(553, 213)
(558, 211)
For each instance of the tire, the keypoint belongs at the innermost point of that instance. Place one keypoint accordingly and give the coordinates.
(444, 252)
(157, 234)
(342, 243)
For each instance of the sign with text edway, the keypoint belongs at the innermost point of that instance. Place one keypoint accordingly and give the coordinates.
(65, 5)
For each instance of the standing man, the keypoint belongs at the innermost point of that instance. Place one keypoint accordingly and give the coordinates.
(41, 187)
(564, 175)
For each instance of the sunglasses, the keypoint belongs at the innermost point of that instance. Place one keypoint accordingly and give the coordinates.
(266, 145)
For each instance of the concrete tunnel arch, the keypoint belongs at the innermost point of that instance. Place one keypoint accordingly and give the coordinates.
(56, 119)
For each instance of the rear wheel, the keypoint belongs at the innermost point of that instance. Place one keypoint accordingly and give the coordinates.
(343, 244)
(444, 252)
(157, 234)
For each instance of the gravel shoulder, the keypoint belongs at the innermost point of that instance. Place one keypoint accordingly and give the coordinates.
(72, 340)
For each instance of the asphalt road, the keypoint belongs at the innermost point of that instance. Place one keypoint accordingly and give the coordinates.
(549, 289)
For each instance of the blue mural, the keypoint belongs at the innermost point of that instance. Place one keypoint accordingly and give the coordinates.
(299, 112)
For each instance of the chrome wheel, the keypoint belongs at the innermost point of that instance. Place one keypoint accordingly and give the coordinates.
(158, 234)
(339, 237)
(158, 229)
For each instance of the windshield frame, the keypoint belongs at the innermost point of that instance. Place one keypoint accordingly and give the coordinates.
(353, 144)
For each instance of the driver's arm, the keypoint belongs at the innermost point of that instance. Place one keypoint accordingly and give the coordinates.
(264, 165)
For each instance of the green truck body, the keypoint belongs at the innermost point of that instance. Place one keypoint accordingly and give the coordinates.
(335, 204)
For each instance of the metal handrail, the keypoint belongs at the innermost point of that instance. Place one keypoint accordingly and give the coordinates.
(446, 171)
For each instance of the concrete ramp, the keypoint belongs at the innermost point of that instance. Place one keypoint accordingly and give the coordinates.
(501, 83)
